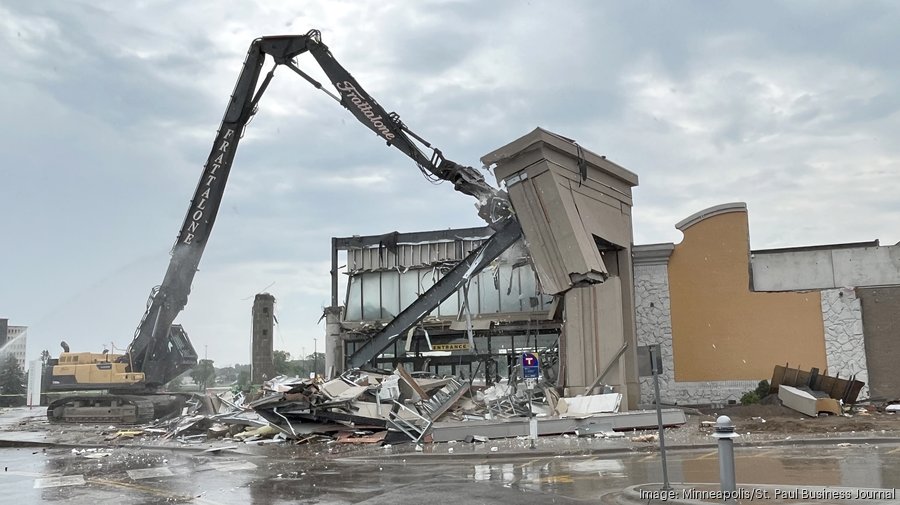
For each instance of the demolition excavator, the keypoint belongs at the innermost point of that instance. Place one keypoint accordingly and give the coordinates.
(161, 350)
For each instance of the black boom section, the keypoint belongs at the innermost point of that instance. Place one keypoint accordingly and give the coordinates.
(158, 350)
(161, 352)
(492, 205)
(507, 234)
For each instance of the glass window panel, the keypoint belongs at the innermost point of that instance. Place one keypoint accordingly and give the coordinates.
(510, 292)
(409, 287)
(472, 298)
(529, 289)
(371, 296)
(449, 308)
(427, 278)
(354, 302)
(488, 295)
(390, 294)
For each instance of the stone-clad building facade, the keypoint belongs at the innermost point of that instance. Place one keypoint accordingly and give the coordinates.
(725, 316)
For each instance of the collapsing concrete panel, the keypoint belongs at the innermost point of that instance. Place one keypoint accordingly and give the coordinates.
(574, 207)
(805, 403)
(569, 201)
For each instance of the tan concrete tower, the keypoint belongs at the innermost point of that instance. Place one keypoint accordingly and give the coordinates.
(575, 210)
(263, 353)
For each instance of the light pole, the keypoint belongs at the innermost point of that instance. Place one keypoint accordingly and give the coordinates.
(315, 359)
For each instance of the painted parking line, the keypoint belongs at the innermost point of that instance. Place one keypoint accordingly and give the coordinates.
(529, 463)
(892, 451)
(65, 480)
(149, 473)
(706, 456)
(153, 491)
(22, 474)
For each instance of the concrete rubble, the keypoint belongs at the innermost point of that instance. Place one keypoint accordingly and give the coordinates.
(383, 407)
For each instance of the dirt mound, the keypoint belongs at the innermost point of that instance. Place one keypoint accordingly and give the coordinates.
(780, 419)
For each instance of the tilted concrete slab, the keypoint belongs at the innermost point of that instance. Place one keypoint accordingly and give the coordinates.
(574, 207)
(566, 198)
(518, 427)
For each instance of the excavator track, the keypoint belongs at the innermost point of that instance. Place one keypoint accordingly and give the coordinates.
(111, 409)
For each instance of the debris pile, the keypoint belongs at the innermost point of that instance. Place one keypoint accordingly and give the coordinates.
(357, 404)
(204, 418)
(846, 390)
(384, 407)
(813, 393)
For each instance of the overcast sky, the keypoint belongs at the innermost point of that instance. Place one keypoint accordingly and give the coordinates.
(110, 111)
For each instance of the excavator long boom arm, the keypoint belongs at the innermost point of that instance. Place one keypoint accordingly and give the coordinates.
(162, 350)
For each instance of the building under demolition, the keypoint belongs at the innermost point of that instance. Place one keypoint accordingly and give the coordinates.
(576, 291)
(564, 289)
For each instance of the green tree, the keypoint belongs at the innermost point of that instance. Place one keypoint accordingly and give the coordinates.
(204, 374)
(283, 363)
(316, 362)
(12, 382)
(243, 380)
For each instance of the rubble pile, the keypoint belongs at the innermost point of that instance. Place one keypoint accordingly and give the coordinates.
(365, 407)
(358, 404)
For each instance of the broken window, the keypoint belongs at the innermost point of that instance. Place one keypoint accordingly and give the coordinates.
(371, 296)
(409, 287)
(449, 308)
(488, 295)
(390, 294)
(380, 296)
(354, 299)
(510, 291)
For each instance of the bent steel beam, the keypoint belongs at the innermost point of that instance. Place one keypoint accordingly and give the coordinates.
(505, 236)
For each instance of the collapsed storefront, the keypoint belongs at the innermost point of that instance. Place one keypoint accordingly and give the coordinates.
(563, 289)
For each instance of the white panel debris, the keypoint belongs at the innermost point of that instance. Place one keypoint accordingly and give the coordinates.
(586, 405)
(65, 480)
(149, 473)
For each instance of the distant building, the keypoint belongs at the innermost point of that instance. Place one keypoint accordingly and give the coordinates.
(12, 341)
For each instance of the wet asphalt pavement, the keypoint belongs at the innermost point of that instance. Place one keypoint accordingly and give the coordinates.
(126, 477)
(139, 476)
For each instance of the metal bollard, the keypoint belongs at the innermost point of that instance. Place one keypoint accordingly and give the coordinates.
(726, 435)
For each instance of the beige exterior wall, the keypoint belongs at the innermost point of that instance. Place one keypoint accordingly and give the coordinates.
(721, 330)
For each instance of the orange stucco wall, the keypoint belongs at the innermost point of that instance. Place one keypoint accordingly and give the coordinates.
(721, 330)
